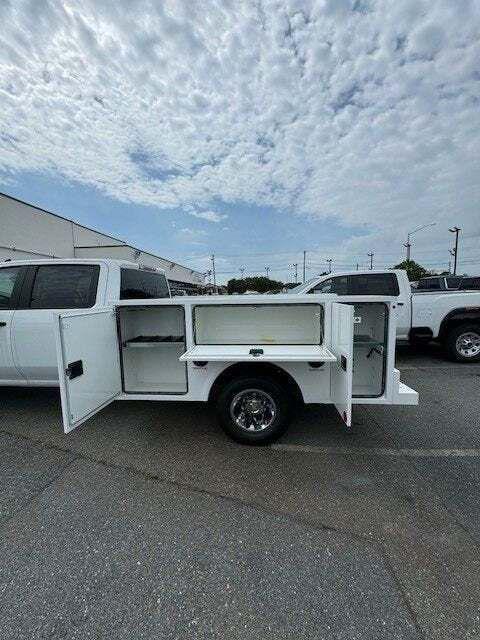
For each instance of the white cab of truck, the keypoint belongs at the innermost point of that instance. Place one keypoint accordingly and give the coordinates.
(449, 317)
(33, 291)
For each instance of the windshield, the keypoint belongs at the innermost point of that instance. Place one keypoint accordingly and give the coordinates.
(302, 285)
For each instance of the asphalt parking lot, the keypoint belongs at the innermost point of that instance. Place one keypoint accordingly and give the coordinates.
(147, 522)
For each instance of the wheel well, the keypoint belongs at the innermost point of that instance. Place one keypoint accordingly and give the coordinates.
(258, 369)
(457, 318)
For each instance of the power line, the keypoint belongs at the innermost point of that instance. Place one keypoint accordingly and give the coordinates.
(396, 254)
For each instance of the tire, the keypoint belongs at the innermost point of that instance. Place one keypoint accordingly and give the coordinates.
(463, 343)
(262, 403)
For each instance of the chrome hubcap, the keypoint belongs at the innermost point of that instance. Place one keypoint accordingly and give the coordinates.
(468, 344)
(253, 410)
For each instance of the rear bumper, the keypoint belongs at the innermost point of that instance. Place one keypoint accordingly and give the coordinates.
(405, 395)
(402, 394)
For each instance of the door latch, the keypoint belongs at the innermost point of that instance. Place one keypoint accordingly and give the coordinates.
(74, 369)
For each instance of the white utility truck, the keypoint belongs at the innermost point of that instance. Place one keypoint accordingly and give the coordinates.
(31, 290)
(449, 317)
(254, 357)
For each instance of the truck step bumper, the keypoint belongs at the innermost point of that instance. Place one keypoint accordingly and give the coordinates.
(405, 395)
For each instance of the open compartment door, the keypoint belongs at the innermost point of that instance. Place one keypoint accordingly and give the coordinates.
(341, 371)
(88, 363)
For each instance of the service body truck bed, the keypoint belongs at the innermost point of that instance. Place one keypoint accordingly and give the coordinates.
(253, 356)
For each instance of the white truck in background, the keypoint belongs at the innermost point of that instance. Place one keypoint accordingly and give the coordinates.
(449, 317)
(32, 291)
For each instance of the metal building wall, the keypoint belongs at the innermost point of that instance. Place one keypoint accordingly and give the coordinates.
(27, 232)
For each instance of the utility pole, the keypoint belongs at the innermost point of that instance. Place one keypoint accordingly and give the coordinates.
(370, 255)
(452, 254)
(304, 265)
(329, 260)
(212, 257)
(456, 231)
(267, 269)
(295, 266)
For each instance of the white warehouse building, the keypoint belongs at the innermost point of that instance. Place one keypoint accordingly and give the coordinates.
(28, 232)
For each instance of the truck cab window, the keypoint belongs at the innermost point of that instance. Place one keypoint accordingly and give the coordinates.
(453, 282)
(138, 284)
(65, 286)
(8, 278)
(338, 285)
(430, 283)
(373, 284)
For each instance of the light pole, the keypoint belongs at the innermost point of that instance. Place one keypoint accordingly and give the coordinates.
(408, 243)
(370, 255)
(267, 269)
(456, 231)
(329, 265)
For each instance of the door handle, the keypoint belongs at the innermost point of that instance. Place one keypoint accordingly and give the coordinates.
(3, 324)
(74, 369)
(400, 304)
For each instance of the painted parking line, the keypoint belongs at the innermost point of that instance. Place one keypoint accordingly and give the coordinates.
(380, 451)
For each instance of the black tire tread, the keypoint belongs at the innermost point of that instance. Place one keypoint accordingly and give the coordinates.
(451, 340)
(282, 420)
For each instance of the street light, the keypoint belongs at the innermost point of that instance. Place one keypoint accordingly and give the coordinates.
(456, 231)
(408, 244)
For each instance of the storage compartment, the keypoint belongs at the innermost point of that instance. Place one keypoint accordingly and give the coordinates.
(152, 340)
(258, 324)
(369, 348)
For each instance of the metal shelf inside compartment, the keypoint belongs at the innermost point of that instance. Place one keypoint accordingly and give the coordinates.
(153, 341)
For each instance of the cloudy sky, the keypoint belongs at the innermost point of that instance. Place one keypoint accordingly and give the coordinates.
(254, 129)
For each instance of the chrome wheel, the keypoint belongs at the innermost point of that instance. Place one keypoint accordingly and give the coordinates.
(253, 410)
(468, 344)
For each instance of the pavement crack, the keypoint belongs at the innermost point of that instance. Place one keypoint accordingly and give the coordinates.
(40, 491)
(149, 476)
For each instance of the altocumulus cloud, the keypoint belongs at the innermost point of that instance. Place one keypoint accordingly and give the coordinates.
(340, 108)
